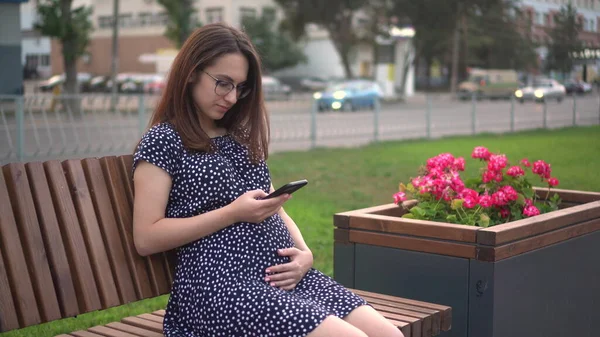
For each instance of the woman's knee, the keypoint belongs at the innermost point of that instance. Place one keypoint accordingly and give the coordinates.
(334, 326)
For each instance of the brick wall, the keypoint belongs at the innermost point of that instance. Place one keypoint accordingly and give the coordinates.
(100, 49)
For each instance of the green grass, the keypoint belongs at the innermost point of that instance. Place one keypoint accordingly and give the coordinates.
(346, 179)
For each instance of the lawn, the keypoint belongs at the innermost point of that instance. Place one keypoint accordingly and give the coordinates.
(346, 179)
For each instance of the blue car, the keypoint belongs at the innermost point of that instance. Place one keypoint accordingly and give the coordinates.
(349, 96)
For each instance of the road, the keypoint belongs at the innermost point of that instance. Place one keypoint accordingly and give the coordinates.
(60, 135)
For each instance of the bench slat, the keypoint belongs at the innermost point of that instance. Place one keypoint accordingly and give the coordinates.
(32, 242)
(157, 268)
(53, 241)
(152, 318)
(8, 316)
(110, 332)
(85, 334)
(91, 233)
(434, 315)
(126, 164)
(425, 319)
(16, 266)
(143, 323)
(123, 214)
(110, 230)
(79, 261)
(133, 330)
(403, 326)
(446, 312)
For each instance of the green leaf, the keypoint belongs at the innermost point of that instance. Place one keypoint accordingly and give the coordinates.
(418, 212)
(408, 216)
(520, 199)
(456, 204)
(528, 193)
(452, 218)
(473, 183)
(484, 220)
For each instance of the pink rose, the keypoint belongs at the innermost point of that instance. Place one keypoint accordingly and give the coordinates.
(481, 152)
(552, 182)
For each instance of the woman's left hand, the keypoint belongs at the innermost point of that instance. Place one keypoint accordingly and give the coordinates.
(286, 276)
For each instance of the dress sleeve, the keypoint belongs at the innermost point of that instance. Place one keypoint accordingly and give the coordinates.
(159, 146)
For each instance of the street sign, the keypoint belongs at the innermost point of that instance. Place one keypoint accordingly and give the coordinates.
(586, 54)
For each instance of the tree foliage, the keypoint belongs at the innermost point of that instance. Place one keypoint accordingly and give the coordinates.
(564, 39)
(277, 50)
(337, 17)
(181, 24)
(72, 27)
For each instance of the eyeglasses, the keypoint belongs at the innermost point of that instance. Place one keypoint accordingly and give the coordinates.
(222, 88)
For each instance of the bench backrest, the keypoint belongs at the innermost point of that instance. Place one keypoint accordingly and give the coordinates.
(66, 243)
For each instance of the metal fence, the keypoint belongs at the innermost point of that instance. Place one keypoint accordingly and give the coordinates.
(42, 127)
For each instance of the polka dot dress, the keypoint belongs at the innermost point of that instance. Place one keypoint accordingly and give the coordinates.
(219, 287)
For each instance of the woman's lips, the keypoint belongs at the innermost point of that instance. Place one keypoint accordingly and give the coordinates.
(222, 108)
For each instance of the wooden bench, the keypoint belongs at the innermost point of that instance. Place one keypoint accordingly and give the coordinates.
(66, 248)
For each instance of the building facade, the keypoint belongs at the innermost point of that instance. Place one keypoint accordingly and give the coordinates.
(35, 48)
(540, 14)
(142, 24)
(11, 71)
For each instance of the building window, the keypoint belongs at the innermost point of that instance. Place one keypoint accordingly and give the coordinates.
(269, 14)
(214, 15)
(247, 12)
(144, 19)
(104, 22)
(539, 18)
(44, 60)
(126, 20)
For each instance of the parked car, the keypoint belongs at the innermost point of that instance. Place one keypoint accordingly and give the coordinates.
(541, 90)
(273, 89)
(349, 96)
(83, 80)
(577, 87)
(313, 84)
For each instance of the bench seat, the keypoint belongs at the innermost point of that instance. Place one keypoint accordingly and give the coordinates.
(413, 318)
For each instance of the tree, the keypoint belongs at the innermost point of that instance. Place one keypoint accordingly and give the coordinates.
(72, 27)
(180, 25)
(277, 50)
(335, 16)
(434, 22)
(564, 39)
(496, 40)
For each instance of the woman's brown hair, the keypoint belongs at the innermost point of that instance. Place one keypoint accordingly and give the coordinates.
(247, 120)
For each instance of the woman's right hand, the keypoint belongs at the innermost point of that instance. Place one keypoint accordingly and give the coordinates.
(250, 208)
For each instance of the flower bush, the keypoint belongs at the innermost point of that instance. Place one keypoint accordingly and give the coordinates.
(499, 194)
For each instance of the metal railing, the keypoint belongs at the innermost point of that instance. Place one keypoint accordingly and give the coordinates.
(42, 127)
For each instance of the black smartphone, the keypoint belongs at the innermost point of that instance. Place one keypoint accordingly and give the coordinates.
(288, 188)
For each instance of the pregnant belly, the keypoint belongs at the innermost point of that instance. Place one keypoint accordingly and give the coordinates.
(241, 250)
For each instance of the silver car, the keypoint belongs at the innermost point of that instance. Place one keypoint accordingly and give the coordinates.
(541, 90)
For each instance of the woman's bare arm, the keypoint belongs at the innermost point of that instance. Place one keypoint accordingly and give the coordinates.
(153, 233)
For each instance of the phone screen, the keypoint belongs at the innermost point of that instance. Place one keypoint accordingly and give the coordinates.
(288, 188)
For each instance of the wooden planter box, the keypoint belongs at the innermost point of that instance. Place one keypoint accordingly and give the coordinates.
(533, 277)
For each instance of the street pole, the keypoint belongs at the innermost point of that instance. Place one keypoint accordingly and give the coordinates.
(115, 55)
(455, 47)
